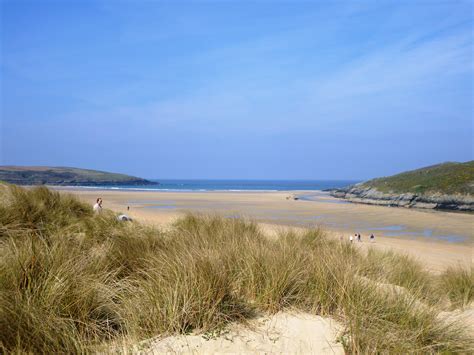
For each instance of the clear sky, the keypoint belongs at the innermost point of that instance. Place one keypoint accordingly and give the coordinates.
(237, 89)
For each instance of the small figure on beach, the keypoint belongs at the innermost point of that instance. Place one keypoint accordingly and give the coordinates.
(98, 206)
(128, 208)
(351, 238)
(359, 238)
(372, 238)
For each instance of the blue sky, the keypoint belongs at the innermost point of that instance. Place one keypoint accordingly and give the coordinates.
(237, 89)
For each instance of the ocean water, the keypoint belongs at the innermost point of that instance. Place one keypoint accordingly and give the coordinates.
(237, 185)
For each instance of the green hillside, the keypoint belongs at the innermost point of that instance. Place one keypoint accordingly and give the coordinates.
(446, 178)
(38, 175)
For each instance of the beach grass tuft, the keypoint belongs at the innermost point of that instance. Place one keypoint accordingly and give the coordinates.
(458, 283)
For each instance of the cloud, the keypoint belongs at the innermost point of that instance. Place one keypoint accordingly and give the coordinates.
(407, 65)
(413, 74)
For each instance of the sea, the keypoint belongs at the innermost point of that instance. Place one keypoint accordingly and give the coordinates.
(234, 185)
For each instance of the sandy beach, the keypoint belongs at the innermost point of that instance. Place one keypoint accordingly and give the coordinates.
(437, 239)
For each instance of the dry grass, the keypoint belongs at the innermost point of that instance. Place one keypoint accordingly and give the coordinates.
(71, 281)
(458, 284)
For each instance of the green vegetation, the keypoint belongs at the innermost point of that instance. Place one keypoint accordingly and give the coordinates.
(74, 282)
(447, 178)
(34, 175)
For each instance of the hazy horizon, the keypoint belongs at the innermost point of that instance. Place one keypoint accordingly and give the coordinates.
(252, 90)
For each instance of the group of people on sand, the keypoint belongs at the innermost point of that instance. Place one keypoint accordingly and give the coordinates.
(358, 237)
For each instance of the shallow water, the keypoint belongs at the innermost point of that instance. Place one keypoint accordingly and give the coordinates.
(447, 238)
(321, 197)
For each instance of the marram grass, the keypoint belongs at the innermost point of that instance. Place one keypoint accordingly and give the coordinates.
(74, 282)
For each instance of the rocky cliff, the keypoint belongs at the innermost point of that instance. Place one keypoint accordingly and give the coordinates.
(370, 195)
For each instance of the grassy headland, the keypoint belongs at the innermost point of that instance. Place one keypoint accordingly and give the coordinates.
(446, 178)
(41, 175)
(74, 282)
(448, 186)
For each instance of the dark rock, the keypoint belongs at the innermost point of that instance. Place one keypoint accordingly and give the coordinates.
(368, 195)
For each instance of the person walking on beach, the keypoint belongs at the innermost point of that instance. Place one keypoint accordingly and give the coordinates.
(359, 238)
(372, 238)
(98, 206)
(351, 238)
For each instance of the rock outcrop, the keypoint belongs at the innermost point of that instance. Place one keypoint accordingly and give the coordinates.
(360, 193)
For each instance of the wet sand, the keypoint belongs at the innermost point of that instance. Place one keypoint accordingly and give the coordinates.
(437, 239)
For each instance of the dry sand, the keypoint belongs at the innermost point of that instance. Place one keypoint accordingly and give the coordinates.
(282, 333)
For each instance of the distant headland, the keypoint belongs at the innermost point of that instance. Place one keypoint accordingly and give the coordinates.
(66, 176)
(446, 186)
